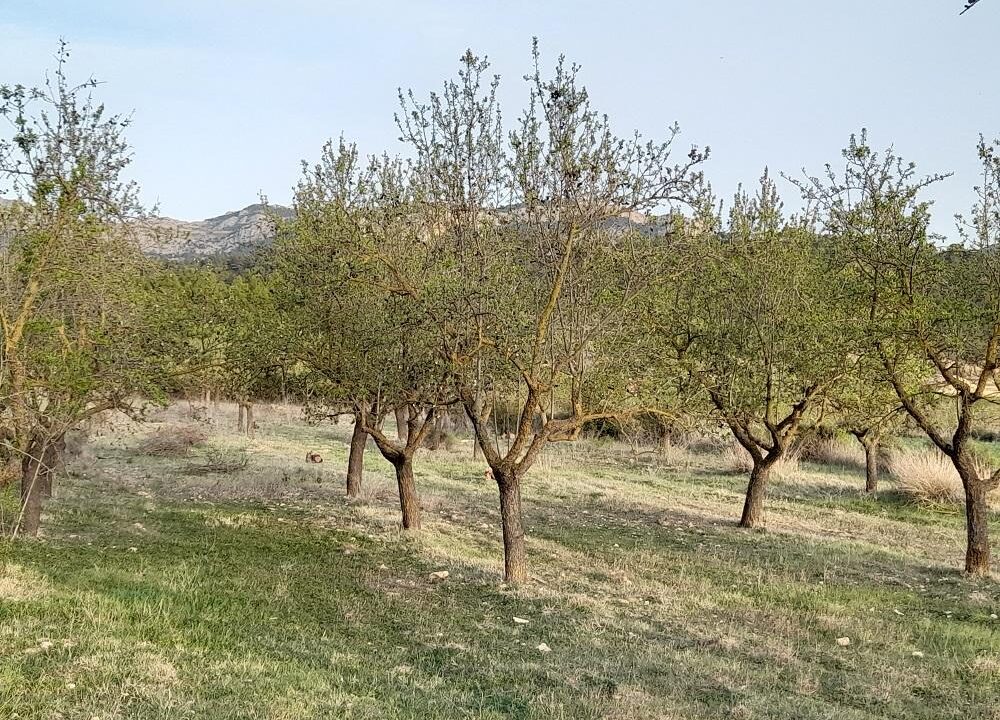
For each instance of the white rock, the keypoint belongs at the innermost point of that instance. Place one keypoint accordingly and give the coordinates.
(844, 641)
(917, 654)
(544, 648)
(45, 644)
(520, 621)
(439, 575)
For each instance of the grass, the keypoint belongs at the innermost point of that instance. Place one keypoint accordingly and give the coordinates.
(262, 593)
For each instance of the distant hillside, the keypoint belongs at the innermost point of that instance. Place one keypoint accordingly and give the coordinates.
(236, 233)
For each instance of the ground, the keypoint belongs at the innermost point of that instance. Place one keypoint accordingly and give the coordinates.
(163, 588)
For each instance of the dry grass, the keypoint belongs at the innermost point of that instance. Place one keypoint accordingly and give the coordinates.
(834, 452)
(172, 441)
(928, 477)
(265, 594)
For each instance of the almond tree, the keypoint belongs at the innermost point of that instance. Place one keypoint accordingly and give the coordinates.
(929, 307)
(71, 306)
(542, 267)
(357, 271)
(761, 328)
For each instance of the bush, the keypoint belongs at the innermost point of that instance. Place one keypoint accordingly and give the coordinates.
(172, 441)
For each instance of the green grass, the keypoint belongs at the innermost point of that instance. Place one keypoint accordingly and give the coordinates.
(264, 594)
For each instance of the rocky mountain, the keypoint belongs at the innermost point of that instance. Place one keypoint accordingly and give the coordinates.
(238, 233)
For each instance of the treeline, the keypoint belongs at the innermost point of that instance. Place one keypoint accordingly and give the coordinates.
(548, 269)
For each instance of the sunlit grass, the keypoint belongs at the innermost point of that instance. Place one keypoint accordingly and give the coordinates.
(263, 593)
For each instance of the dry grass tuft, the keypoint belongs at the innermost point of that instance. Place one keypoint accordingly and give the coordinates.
(172, 440)
(927, 477)
(834, 452)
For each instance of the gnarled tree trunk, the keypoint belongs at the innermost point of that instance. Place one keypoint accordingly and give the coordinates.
(356, 459)
(977, 515)
(753, 506)
(409, 503)
(515, 559)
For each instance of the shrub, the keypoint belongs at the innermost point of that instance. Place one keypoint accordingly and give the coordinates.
(172, 441)
(221, 461)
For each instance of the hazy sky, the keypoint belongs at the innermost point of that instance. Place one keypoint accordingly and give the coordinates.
(229, 95)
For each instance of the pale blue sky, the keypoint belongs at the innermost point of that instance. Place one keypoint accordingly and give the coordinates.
(228, 96)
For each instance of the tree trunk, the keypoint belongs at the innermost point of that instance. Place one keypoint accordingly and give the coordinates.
(871, 466)
(356, 459)
(515, 561)
(402, 429)
(409, 503)
(37, 468)
(753, 506)
(871, 445)
(251, 425)
(241, 426)
(977, 514)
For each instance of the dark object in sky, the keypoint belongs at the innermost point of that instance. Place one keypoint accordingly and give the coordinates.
(968, 6)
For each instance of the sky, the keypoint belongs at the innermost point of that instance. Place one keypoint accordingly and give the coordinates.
(229, 96)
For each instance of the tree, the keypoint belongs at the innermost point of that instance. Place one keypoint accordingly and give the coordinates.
(540, 264)
(934, 308)
(356, 268)
(866, 407)
(760, 327)
(71, 305)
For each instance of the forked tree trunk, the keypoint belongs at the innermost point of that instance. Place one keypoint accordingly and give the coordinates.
(753, 506)
(515, 560)
(409, 503)
(356, 459)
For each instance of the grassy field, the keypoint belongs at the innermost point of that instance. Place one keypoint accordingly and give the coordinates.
(162, 589)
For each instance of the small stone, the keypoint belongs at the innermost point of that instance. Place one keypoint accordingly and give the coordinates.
(993, 616)
(383, 566)
(133, 549)
(520, 621)
(544, 648)
(45, 644)
(917, 654)
(71, 686)
(898, 612)
(439, 575)
(844, 641)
